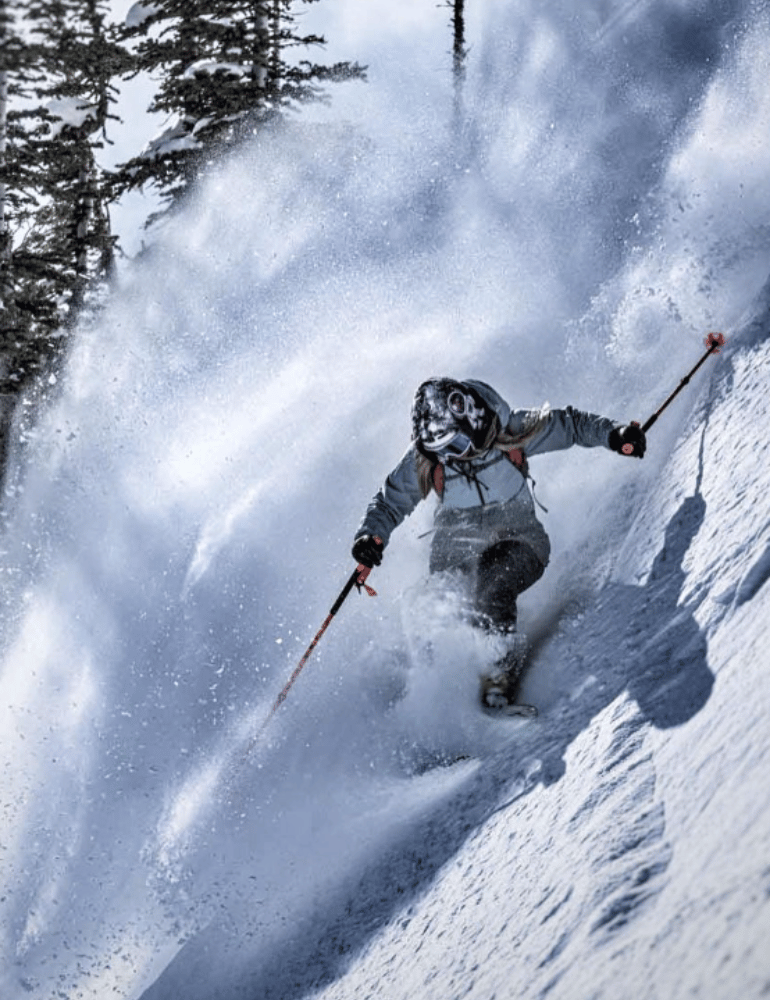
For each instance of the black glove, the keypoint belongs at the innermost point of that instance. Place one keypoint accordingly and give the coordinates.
(629, 440)
(368, 550)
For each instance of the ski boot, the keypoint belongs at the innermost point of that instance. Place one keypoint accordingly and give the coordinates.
(500, 688)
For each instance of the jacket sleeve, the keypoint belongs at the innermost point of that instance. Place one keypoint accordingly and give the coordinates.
(395, 500)
(556, 430)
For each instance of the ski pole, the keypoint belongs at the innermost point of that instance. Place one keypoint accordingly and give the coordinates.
(713, 341)
(356, 579)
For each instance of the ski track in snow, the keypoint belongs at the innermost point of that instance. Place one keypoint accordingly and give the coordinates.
(176, 530)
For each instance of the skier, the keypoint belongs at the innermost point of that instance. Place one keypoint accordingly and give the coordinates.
(472, 450)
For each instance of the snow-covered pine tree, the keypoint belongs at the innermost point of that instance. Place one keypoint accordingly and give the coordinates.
(8, 42)
(292, 82)
(11, 48)
(80, 58)
(60, 240)
(16, 202)
(225, 70)
(5, 234)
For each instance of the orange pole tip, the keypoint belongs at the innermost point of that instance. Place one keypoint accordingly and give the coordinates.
(715, 341)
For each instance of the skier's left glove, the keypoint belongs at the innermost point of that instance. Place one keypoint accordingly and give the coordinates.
(629, 440)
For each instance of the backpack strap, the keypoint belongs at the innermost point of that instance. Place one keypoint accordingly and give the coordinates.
(517, 457)
(439, 478)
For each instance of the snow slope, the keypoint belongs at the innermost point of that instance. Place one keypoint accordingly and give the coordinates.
(178, 525)
(623, 849)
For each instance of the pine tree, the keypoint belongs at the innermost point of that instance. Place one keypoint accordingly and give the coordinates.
(5, 235)
(12, 58)
(80, 59)
(15, 201)
(58, 240)
(225, 71)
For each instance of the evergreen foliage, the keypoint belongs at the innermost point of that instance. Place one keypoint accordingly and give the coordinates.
(14, 202)
(224, 71)
(58, 242)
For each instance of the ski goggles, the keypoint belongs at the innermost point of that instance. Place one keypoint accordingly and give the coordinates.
(459, 404)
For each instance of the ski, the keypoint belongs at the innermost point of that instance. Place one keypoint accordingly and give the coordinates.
(432, 761)
(516, 711)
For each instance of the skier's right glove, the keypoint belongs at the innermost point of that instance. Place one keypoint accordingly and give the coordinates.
(367, 550)
(629, 440)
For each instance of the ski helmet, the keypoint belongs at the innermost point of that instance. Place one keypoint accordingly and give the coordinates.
(448, 419)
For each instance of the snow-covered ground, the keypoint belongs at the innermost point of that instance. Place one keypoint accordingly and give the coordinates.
(179, 526)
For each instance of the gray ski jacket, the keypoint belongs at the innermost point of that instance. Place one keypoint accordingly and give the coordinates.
(486, 499)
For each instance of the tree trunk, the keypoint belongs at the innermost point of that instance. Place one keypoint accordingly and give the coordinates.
(259, 55)
(458, 61)
(5, 236)
(6, 240)
(84, 213)
(7, 400)
(275, 49)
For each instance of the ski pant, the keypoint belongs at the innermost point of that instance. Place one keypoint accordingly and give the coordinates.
(494, 573)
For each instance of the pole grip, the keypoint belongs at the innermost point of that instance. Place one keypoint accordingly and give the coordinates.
(628, 449)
